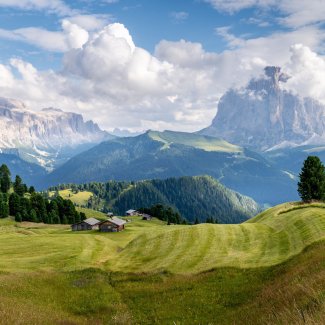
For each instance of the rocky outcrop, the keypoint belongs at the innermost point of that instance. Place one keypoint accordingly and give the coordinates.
(264, 115)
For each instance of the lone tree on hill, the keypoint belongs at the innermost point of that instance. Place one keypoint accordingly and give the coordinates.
(312, 180)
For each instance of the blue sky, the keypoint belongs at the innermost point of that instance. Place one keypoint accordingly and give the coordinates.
(161, 64)
(150, 21)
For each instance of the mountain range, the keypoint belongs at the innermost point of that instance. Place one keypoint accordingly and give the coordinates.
(48, 137)
(255, 145)
(159, 155)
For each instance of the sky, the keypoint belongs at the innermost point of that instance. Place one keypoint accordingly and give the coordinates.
(155, 64)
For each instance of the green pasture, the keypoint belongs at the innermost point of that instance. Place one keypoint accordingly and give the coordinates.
(269, 270)
(81, 198)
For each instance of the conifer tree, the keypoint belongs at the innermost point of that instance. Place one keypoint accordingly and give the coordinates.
(5, 180)
(312, 180)
(14, 204)
(18, 217)
(19, 187)
(4, 209)
(33, 216)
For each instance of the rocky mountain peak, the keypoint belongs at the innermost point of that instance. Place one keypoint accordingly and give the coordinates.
(270, 81)
(45, 136)
(263, 115)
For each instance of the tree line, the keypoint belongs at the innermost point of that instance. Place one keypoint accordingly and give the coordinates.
(25, 204)
(164, 213)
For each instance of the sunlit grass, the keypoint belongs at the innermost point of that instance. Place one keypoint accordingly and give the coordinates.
(223, 274)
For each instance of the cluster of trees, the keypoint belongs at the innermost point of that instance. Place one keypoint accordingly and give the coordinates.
(25, 204)
(164, 213)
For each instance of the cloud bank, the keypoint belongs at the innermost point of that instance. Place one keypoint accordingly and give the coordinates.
(109, 79)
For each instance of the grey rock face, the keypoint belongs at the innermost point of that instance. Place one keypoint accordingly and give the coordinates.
(44, 137)
(264, 115)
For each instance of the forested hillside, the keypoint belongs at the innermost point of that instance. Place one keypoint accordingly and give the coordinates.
(25, 204)
(199, 197)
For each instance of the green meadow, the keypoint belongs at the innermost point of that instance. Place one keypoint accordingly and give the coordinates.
(81, 198)
(269, 270)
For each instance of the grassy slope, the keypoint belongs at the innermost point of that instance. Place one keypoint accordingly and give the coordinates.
(194, 140)
(44, 275)
(92, 213)
(269, 239)
(80, 198)
(32, 247)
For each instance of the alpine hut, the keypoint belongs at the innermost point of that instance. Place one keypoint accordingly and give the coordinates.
(112, 225)
(87, 224)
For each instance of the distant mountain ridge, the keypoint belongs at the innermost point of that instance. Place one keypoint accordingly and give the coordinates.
(265, 116)
(173, 154)
(48, 137)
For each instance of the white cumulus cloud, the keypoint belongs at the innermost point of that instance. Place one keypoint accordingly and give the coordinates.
(296, 13)
(118, 84)
(52, 6)
(71, 36)
(307, 71)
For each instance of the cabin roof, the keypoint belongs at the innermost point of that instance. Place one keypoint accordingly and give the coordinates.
(116, 221)
(91, 221)
(131, 211)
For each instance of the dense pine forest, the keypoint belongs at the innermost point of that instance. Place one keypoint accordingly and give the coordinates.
(23, 203)
(198, 198)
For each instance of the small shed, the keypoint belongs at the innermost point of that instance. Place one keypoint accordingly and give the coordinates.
(146, 217)
(87, 224)
(131, 212)
(112, 225)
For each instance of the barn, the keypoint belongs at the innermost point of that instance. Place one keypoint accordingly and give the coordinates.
(112, 225)
(87, 224)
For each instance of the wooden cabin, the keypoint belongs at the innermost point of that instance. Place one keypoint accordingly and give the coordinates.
(146, 216)
(87, 224)
(112, 225)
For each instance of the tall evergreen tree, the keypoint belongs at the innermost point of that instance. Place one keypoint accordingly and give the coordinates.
(19, 187)
(39, 206)
(4, 209)
(5, 180)
(18, 217)
(14, 204)
(33, 216)
(312, 180)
